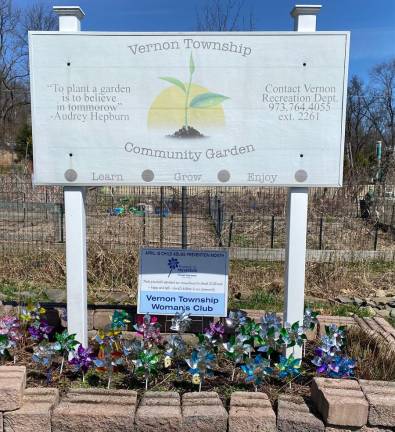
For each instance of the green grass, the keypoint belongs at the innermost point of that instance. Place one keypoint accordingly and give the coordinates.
(261, 300)
(22, 292)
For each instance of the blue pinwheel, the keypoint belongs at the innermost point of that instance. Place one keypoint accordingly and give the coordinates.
(288, 367)
(256, 370)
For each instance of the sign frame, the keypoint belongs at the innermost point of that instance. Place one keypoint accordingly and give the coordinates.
(300, 174)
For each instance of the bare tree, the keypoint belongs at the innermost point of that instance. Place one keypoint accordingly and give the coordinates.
(359, 132)
(380, 110)
(224, 15)
(11, 75)
(14, 71)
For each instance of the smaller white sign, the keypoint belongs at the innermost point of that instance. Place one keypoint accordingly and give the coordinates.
(178, 280)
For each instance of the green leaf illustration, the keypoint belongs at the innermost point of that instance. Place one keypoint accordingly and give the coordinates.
(191, 65)
(207, 100)
(176, 82)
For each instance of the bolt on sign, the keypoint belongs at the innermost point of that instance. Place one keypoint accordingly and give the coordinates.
(247, 109)
(183, 280)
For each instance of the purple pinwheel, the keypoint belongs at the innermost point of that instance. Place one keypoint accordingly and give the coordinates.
(40, 330)
(329, 358)
(214, 333)
(82, 360)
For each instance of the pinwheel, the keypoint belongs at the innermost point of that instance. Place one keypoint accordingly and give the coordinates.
(214, 333)
(44, 354)
(252, 330)
(235, 319)
(40, 329)
(256, 370)
(201, 364)
(310, 319)
(67, 343)
(82, 360)
(175, 348)
(149, 328)
(181, 322)
(120, 320)
(288, 367)
(237, 349)
(109, 355)
(146, 364)
(132, 348)
(328, 355)
(31, 313)
(10, 334)
(291, 335)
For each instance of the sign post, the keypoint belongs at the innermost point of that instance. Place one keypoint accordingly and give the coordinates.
(295, 252)
(75, 221)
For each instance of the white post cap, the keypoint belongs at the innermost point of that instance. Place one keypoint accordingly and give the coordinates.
(70, 17)
(305, 17)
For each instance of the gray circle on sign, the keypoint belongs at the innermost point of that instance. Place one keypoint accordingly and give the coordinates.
(301, 176)
(70, 175)
(147, 175)
(223, 176)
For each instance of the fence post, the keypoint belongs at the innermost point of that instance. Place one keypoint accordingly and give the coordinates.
(219, 228)
(376, 235)
(46, 203)
(230, 231)
(272, 234)
(144, 222)
(24, 209)
(321, 231)
(184, 228)
(61, 229)
(161, 218)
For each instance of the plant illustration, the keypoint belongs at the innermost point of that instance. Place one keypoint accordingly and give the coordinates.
(201, 101)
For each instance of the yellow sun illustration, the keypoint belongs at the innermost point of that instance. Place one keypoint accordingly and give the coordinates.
(168, 110)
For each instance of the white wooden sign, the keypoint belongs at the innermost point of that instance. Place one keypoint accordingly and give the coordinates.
(247, 109)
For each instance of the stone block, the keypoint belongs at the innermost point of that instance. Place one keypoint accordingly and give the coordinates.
(381, 398)
(12, 387)
(101, 318)
(91, 313)
(94, 410)
(35, 412)
(203, 412)
(159, 411)
(340, 402)
(294, 414)
(362, 429)
(251, 412)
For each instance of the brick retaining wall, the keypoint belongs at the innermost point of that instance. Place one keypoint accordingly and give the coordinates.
(334, 405)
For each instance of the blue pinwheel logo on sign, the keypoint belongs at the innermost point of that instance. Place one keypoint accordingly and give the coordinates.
(173, 264)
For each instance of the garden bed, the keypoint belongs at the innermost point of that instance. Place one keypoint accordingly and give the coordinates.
(212, 361)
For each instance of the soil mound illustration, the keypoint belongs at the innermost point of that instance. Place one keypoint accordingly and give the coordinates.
(187, 132)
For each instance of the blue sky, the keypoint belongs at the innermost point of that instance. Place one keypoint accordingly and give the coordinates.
(371, 22)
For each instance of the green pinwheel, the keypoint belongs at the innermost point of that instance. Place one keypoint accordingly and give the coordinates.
(237, 349)
(65, 343)
(147, 364)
